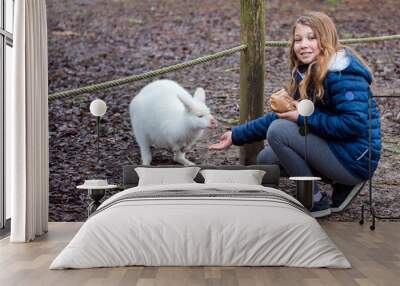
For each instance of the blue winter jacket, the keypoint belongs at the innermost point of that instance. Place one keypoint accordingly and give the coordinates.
(341, 118)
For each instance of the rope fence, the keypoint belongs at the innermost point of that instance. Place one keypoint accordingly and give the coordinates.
(150, 74)
(200, 60)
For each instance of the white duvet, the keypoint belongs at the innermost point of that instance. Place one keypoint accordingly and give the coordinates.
(182, 231)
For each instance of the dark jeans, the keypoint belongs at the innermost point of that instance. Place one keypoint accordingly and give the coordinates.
(287, 149)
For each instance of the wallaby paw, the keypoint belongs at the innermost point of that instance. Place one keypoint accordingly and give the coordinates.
(146, 162)
(189, 163)
(184, 161)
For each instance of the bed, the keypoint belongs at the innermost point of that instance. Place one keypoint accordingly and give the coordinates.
(201, 224)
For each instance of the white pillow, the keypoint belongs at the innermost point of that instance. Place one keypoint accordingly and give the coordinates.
(249, 177)
(163, 176)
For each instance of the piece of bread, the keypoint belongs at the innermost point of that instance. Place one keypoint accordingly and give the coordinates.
(282, 103)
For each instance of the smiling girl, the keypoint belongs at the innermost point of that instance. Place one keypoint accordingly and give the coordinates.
(338, 81)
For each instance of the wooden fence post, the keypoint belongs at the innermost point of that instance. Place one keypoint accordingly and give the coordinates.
(251, 71)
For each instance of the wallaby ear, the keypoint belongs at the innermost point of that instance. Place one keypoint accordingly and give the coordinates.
(200, 94)
(186, 102)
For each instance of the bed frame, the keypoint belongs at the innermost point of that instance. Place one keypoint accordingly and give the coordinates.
(271, 178)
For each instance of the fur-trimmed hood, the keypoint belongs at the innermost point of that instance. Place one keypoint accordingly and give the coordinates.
(339, 61)
(344, 61)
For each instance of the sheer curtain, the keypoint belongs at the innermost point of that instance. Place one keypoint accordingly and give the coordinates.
(27, 173)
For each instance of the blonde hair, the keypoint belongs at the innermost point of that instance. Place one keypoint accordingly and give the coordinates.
(328, 43)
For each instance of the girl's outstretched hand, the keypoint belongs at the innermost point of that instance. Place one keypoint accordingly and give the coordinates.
(225, 141)
(290, 115)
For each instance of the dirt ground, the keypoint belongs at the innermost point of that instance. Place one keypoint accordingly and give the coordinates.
(92, 41)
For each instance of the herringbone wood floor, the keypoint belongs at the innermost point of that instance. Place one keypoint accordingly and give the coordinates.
(374, 255)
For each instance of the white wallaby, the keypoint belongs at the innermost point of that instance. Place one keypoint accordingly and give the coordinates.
(164, 114)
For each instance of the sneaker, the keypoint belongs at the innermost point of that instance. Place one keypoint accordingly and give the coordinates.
(322, 207)
(343, 195)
